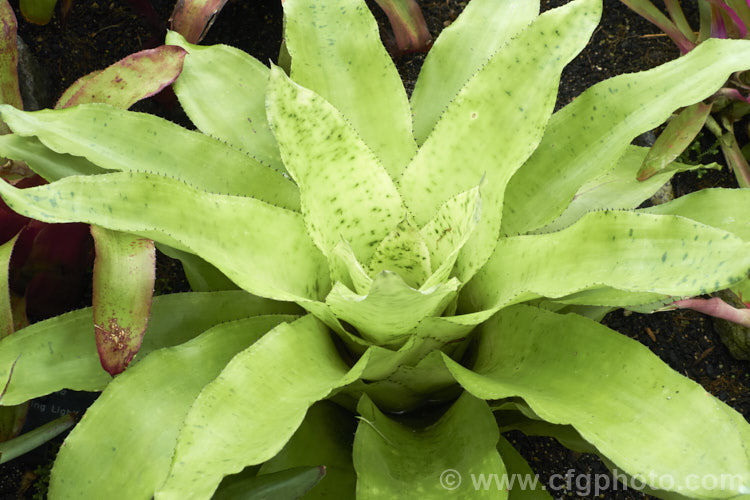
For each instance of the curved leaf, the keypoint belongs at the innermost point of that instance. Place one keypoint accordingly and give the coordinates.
(460, 51)
(223, 92)
(9, 91)
(266, 409)
(649, 420)
(155, 207)
(403, 251)
(50, 165)
(632, 252)
(336, 52)
(60, 353)
(282, 485)
(113, 448)
(193, 18)
(437, 461)
(116, 139)
(585, 138)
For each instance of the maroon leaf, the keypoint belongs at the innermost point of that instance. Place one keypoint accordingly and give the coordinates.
(193, 18)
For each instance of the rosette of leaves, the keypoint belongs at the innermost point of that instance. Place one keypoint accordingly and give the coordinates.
(422, 273)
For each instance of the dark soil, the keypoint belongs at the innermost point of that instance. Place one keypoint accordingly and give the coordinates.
(96, 34)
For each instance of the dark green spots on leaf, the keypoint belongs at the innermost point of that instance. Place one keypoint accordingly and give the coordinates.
(664, 257)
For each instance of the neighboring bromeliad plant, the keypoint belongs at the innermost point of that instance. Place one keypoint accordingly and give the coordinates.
(420, 271)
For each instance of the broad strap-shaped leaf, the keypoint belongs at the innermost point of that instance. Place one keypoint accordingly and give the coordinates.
(437, 461)
(124, 276)
(495, 123)
(116, 139)
(193, 18)
(449, 230)
(252, 242)
(718, 207)
(266, 408)
(323, 439)
(391, 309)
(460, 51)
(60, 353)
(223, 92)
(6, 310)
(129, 80)
(50, 165)
(586, 138)
(109, 448)
(647, 419)
(9, 91)
(337, 53)
(629, 251)
(345, 191)
(616, 189)
(347, 269)
(403, 251)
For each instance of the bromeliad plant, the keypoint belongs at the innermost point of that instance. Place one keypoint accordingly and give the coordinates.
(426, 267)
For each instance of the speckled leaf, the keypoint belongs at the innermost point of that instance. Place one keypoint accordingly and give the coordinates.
(632, 252)
(461, 49)
(647, 419)
(585, 138)
(50, 165)
(123, 140)
(193, 18)
(345, 191)
(60, 353)
(391, 309)
(93, 462)
(216, 228)
(404, 252)
(324, 438)
(718, 207)
(497, 119)
(9, 91)
(399, 462)
(248, 413)
(129, 80)
(347, 269)
(124, 276)
(449, 230)
(616, 189)
(223, 92)
(336, 52)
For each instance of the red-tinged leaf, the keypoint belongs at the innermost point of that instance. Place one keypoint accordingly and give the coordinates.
(123, 289)
(9, 92)
(129, 80)
(408, 25)
(38, 11)
(717, 308)
(675, 138)
(193, 18)
(648, 11)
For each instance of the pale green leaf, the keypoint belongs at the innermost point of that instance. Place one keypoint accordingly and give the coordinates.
(460, 51)
(497, 120)
(391, 309)
(202, 276)
(633, 252)
(403, 251)
(323, 439)
(60, 353)
(249, 412)
(6, 311)
(223, 92)
(289, 484)
(647, 419)
(109, 448)
(585, 139)
(337, 53)
(345, 191)
(116, 139)
(216, 227)
(42, 160)
(347, 269)
(616, 189)
(438, 461)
